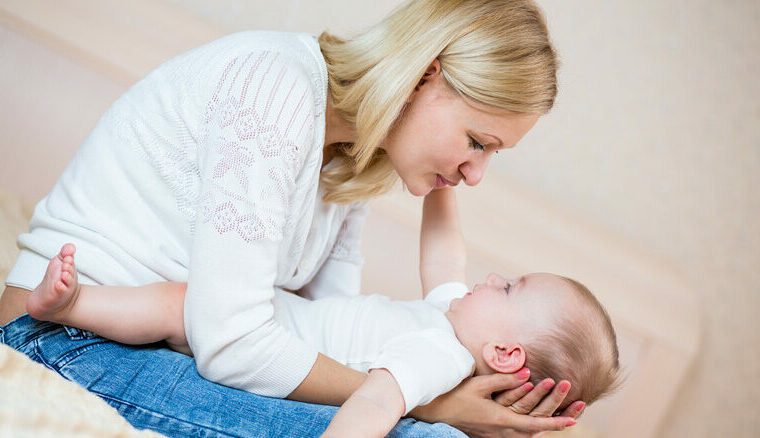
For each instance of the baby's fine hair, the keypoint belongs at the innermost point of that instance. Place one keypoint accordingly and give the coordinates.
(582, 348)
(495, 52)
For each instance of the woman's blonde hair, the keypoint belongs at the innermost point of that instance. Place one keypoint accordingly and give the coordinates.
(495, 52)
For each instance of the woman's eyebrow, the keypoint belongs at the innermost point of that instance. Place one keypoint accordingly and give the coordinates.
(498, 140)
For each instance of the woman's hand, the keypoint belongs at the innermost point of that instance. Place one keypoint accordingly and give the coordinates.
(470, 407)
(541, 401)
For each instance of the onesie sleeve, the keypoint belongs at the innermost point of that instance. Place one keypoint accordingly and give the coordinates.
(257, 131)
(425, 364)
(341, 272)
(442, 294)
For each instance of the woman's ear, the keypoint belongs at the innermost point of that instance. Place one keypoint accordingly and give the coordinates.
(504, 358)
(433, 69)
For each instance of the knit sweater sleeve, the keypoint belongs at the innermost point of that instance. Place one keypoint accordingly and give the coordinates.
(341, 273)
(258, 134)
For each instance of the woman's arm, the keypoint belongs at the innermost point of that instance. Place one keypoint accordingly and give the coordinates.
(256, 138)
(468, 407)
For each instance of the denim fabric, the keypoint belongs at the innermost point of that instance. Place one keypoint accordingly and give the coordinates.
(159, 389)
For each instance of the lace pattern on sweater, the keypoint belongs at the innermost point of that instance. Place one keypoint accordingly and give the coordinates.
(173, 156)
(256, 133)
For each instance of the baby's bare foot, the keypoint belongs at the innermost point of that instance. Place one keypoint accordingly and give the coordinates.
(55, 296)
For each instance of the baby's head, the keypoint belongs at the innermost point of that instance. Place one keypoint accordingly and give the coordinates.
(548, 323)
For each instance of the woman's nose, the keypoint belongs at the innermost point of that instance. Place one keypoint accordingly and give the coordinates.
(473, 169)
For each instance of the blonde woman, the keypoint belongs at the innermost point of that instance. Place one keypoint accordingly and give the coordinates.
(242, 167)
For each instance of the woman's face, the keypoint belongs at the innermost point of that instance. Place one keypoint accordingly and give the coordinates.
(442, 139)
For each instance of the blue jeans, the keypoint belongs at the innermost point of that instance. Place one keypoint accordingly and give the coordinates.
(156, 388)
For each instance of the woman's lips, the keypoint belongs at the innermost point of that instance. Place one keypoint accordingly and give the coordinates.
(441, 182)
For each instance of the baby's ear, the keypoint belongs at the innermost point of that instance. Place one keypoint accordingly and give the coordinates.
(504, 358)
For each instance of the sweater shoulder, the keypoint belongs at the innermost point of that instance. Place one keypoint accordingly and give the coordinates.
(298, 50)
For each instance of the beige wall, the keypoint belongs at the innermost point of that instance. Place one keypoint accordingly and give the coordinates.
(656, 137)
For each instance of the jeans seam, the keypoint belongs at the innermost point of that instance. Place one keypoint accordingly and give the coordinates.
(30, 339)
(41, 357)
(62, 361)
(112, 399)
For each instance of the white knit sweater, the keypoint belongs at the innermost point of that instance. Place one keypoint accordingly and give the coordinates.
(207, 171)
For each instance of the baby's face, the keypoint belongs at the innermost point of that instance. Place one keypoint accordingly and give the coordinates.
(510, 310)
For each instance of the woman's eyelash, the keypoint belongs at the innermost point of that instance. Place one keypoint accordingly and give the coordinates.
(475, 145)
(507, 288)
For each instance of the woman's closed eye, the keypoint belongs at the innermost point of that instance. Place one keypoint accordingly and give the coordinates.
(476, 145)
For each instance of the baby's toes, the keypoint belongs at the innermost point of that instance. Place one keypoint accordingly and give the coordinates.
(68, 259)
(53, 266)
(67, 250)
(66, 278)
(60, 287)
(69, 269)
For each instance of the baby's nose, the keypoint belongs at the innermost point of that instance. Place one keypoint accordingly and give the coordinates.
(494, 279)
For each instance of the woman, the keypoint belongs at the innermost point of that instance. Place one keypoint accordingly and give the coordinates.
(243, 166)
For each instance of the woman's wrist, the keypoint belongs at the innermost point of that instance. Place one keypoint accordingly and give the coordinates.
(440, 410)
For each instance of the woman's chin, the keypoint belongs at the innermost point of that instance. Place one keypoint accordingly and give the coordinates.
(418, 190)
(426, 191)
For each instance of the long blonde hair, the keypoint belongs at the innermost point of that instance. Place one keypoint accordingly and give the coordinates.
(496, 52)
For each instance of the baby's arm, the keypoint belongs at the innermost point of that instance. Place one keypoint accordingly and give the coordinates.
(443, 254)
(372, 410)
(131, 315)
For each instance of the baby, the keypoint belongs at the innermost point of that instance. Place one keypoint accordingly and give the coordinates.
(414, 350)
